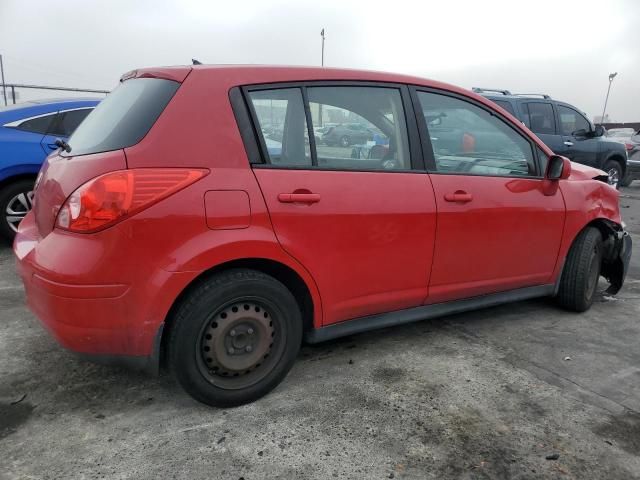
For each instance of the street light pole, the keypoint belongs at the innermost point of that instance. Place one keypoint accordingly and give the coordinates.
(322, 60)
(611, 77)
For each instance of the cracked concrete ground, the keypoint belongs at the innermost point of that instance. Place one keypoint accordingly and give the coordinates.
(487, 394)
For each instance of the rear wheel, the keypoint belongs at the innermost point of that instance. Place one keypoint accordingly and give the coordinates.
(16, 200)
(235, 338)
(581, 272)
(614, 171)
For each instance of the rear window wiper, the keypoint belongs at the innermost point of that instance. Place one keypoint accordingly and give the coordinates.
(63, 145)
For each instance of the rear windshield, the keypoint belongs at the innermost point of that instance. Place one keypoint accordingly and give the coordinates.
(124, 117)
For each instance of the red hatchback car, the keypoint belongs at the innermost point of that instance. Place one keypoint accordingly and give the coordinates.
(196, 219)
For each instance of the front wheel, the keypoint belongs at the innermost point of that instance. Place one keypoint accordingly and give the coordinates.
(235, 338)
(626, 181)
(581, 272)
(16, 200)
(614, 172)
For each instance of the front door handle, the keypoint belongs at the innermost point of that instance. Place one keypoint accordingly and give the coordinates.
(568, 143)
(298, 197)
(459, 196)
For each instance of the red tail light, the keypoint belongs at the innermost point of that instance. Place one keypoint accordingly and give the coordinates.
(629, 146)
(114, 196)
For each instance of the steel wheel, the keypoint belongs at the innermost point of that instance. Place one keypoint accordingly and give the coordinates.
(614, 172)
(17, 208)
(614, 177)
(240, 343)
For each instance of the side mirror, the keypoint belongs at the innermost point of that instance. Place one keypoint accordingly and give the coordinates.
(599, 131)
(558, 168)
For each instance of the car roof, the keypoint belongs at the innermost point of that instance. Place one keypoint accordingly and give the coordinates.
(236, 75)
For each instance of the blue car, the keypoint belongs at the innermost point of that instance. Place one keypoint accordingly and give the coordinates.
(28, 133)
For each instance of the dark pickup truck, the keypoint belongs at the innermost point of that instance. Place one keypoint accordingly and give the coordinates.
(565, 129)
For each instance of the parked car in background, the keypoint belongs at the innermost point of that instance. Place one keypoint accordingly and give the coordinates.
(146, 250)
(565, 130)
(631, 141)
(623, 133)
(28, 132)
(347, 134)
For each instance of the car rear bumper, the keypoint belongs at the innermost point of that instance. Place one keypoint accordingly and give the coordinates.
(118, 322)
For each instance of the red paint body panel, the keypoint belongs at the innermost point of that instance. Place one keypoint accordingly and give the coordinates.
(508, 236)
(367, 246)
(368, 241)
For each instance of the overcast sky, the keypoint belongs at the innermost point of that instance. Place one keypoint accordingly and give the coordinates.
(565, 48)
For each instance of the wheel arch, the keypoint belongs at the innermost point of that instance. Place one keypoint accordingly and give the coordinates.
(18, 177)
(282, 272)
(609, 230)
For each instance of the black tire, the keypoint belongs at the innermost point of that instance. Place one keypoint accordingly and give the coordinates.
(613, 167)
(626, 181)
(229, 376)
(581, 272)
(7, 195)
(345, 141)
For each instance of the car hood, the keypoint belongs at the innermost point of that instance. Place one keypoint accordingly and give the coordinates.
(584, 172)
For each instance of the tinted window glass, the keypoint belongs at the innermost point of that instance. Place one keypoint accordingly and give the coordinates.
(67, 122)
(468, 139)
(124, 117)
(570, 121)
(283, 125)
(506, 105)
(539, 118)
(37, 125)
(359, 128)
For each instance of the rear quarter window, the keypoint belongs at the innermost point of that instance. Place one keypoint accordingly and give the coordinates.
(124, 117)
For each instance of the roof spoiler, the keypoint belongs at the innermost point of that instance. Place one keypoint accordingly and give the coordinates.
(176, 74)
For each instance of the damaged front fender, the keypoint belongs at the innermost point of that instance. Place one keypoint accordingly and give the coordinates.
(616, 259)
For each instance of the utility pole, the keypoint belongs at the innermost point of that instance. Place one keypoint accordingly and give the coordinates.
(611, 77)
(4, 89)
(322, 35)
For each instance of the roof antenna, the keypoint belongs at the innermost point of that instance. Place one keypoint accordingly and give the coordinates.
(196, 62)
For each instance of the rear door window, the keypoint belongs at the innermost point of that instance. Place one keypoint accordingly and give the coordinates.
(352, 127)
(368, 132)
(124, 117)
(539, 117)
(283, 126)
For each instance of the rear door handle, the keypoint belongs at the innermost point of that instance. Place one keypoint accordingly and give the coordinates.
(459, 196)
(298, 197)
(568, 143)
